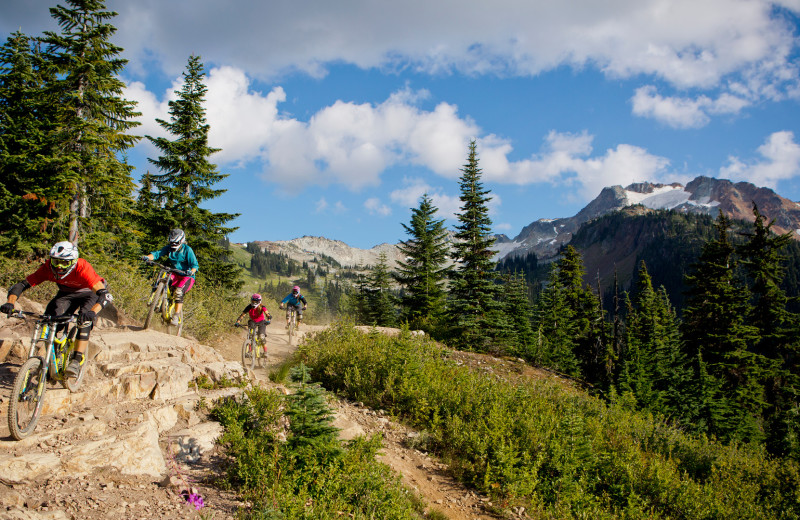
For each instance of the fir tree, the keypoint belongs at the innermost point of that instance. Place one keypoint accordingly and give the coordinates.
(93, 120)
(29, 200)
(187, 180)
(424, 271)
(654, 368)
(474, 312)
(378, 306)
(778, 345)
(728, 398)
(522, 339)
(310, 417)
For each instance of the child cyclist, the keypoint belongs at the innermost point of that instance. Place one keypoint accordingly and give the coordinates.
(80, 288)
(259, 318)
(294, 299)
(179, 256)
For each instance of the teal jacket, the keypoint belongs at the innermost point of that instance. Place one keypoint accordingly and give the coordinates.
(183, 259)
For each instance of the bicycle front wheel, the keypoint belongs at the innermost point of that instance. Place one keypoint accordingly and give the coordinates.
(248, 354)
(27, 398)
(155, 299)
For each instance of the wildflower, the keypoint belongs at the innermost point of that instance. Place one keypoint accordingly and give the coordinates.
(194, 499)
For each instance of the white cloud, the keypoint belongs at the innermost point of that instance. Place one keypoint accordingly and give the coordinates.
(409, 195)
(321, 205)
(374, 206)
(683, 112)
(566, 159)
(780, 159)
(684, 42)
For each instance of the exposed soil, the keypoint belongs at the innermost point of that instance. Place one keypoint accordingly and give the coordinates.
(105, 492)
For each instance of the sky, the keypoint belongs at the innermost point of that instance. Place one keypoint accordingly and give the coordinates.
(334, 118)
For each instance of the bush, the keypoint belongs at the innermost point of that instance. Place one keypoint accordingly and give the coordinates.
(553, 449)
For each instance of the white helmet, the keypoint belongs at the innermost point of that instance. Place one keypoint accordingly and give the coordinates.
(63, 258)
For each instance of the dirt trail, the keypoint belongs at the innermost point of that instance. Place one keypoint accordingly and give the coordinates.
(427, 476)
(79, 440)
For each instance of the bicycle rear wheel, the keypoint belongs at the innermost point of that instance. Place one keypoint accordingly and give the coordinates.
(155, 299)
(27, 398)
(248, 354)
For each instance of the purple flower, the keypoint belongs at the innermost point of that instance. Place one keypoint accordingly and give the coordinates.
(194, 499)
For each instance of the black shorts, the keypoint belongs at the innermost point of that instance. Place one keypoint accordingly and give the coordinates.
(297, 308)
(68, 302)
(260, 326)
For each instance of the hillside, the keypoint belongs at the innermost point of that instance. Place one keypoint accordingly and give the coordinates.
(138, 431)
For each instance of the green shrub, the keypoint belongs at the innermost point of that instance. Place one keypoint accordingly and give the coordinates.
(310, 480)
(555, 450)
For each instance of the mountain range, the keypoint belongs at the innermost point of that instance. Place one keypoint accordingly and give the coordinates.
(545, 237)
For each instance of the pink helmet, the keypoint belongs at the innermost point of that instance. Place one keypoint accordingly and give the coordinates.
(256, 298)
(296, 289)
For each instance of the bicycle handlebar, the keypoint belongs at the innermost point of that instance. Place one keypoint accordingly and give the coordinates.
(62, 318)
(168, 269)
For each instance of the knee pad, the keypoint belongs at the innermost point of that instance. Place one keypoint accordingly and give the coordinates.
(178, 295)
(83, 332)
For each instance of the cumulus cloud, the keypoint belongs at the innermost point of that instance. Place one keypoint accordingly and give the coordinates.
(353, 144)
(566, 158)
(780, 159)
(684, 112)
(413, 189)
(374, 206)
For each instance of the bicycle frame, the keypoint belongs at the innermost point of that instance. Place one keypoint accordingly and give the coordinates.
(55, 358)
(163, 298)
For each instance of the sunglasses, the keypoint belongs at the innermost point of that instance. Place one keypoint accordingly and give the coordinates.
(62, 264)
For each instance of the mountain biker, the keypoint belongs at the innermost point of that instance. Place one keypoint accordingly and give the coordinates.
(294, 299)
(80, 288)
(179, 256)
(259, 317)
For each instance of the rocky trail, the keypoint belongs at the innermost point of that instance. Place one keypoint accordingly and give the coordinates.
(137, 432)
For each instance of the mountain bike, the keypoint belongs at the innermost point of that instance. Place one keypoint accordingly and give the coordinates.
(253, 349)
(162, 298)
(291, 327)
(30, 383)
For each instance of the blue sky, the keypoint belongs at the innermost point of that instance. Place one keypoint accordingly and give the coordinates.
(335, 117)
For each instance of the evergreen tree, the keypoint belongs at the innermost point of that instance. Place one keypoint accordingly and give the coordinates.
(424, 270)
(474, 313)
(727, 399)
(92, 121)
(29, 200)
(310, 417)
(778, 344)
(654, 368)
(557, 331)
(187, 180)
(379, 307)
(515, 295)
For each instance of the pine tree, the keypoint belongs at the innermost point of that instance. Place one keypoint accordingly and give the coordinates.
(310, 417)
(378, 307)
(728, 398)
(655, 370)
(187, 178)
(93, 120)
(29, 200)
(474, 313)
(522, 339)
(424, 271)
(778, 345)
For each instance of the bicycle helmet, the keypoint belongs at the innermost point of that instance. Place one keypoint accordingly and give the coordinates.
(176, 239)
(255, 299)
(296, 289)
(63, 259)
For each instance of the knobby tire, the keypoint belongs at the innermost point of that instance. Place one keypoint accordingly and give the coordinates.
(156, 298)
(27, 401)
(248, 354)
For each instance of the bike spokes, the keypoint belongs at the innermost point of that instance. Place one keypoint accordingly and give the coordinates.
(27, 398)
